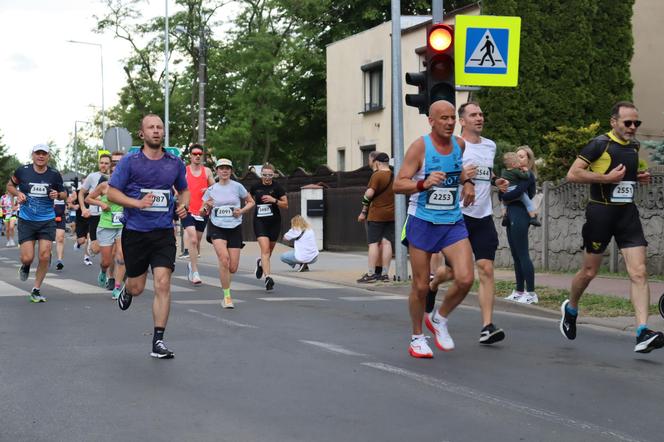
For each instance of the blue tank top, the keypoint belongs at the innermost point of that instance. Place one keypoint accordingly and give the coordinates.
(439, 204)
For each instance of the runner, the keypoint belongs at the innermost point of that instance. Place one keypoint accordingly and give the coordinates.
(478, 218)
(270, 197)
(199, 178)
(431, 173)
(109, 232)
(10, 212)
(610, 164)
(223, 204)
(86, 223)
(36, 185)
(143, 184)
(60, 208)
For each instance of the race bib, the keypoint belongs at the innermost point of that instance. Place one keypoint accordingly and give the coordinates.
(38, 190)
(263, 210)
(162, 199)
(218, 213)
(441, 198)
(117, 218)
(623, 192)
(483, 174)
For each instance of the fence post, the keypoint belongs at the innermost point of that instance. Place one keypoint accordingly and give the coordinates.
(545, 226)
(613, 260)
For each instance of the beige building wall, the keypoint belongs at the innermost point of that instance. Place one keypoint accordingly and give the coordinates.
(648, 66)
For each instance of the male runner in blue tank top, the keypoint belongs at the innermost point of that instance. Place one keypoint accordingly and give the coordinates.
(431, 173)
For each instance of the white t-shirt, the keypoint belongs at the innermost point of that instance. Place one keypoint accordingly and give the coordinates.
(91, 182)
(482, 155)
(305, 247)
(225, 198)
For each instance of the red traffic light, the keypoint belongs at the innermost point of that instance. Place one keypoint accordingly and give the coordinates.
(440, 38)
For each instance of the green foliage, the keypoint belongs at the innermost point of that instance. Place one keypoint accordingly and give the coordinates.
(656, 150)
(574, 64)
(8, 164)
(562, 147)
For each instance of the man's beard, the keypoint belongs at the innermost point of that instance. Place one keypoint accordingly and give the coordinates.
(153, 145)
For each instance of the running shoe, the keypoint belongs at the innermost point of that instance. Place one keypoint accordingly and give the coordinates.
(36, 296)
(384, 278)
(115, 294)
(227, 302)
(514, 296)
(442, 337)
(528, 298)
(11, 243)
(196, 279)
(568, 322)
(59, 265)
(368, 279)
(23, 272)
(303, 268)
(101, 279)
(490, 334)
(648, 341)
(269, 283)
(77, 246)
(87, 261)
(259, 268)
(110, 283)
(184, 255)
(160, 351)
(124, 298)
(419, 348)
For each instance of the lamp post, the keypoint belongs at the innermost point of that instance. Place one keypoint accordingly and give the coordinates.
(101, 55)
(166, 84)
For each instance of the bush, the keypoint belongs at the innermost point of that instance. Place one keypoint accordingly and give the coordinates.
(561, 149)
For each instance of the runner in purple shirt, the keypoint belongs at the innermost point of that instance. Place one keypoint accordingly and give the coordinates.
(143, 184)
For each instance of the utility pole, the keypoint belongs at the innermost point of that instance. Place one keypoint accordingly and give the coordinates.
(436, 11)
(166, 85)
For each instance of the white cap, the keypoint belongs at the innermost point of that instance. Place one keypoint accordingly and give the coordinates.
(42, 147)
(224, 162)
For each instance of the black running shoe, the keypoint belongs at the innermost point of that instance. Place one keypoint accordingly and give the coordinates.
(648, 341)
(160, 351)
(110, 283)
(367, 278)
(60, 265)
(384, 278)
(23, 272)
(269, 283)
(490, 334)
(259, 268)
(661, 306)
(567, 322)
(124, 300)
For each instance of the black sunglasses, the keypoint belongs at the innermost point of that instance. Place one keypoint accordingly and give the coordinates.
(628, 123)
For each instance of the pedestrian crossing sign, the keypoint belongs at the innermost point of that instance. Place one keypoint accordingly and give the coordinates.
(486, 50)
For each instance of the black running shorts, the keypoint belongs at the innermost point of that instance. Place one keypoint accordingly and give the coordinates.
(483, 237)
(604, 221)
(270, 227)
(378, 230)
(148, 249)
(35, 230)
(189, 221)
(233, 237)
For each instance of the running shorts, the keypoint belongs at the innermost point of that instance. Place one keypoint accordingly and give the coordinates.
(142, 250)
(60, 223)
(85, 226)
(106, 236)
(431, 237)
(379, 230)
(189, 221)
(270, 227)
(604, 221)
(35, 230)
(483, 237)
(233, 237)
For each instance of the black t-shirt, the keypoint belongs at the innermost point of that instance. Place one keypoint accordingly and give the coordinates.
(603, 154)
(266, 211)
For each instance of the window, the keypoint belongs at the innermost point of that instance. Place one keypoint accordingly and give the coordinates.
(341, 160)
(366, 151)
(373, 86)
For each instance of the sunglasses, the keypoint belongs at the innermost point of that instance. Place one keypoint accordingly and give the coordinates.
(197, 154)
(267, 175)
(628, 123)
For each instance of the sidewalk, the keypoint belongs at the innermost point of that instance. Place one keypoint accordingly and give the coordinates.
(345, 268)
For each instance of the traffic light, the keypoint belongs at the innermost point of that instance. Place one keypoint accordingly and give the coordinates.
(440, 63)
(421, 99)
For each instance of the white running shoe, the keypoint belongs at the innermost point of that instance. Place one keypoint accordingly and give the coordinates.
(419, 348)
(514, 296)
(442, 337)
(87, 261)
(227, 302)
(196, 279)
(528, 298)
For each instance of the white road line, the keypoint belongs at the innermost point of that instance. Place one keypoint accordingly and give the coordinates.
(292, 298)
(303, 283)
(206, 301)
(76, 287)
(214, 282)
(7, 290)
(334, 348)
(374, 298)
(515, 407)
(149, 285)
(222, 320)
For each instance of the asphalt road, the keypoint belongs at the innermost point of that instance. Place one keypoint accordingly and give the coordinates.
(307, 362)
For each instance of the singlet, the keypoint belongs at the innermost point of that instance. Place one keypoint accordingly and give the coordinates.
(225, 198)
(90, 182)
(603, 154)
(197, 186)
(113, 218)
(267, 211)
(438, 204)
(481, 155)
(36, 186)
(7, 203)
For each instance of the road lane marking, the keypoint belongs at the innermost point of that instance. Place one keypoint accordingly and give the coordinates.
(149, 285)
(334, 348)
(206, 301)
(76, 287)
(374, 298)
(222, 320)
(303, 282)
(214, 282)
(292, 298)
(7, 290)
(502, 403)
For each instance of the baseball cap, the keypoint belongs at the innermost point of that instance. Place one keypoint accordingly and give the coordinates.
(223, 162)
(42, 147)
(382, 158)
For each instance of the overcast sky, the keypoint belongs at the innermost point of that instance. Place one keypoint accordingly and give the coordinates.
(46, 84)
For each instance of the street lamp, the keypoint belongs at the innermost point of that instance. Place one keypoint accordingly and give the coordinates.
(101, 54)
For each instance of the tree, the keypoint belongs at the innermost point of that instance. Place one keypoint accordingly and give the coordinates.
(562, 147)
(8, 164)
